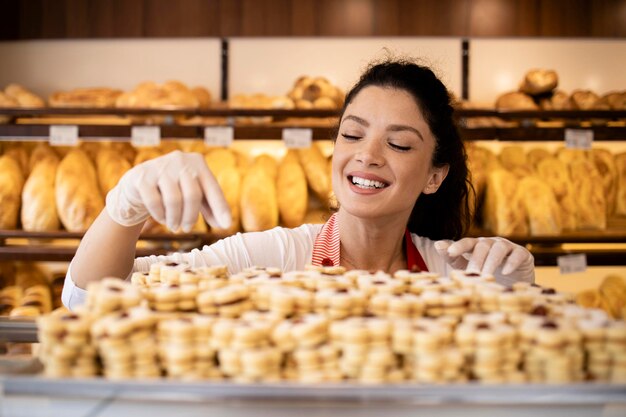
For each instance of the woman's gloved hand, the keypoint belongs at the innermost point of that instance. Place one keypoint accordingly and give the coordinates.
(172, 189)
(489, 255)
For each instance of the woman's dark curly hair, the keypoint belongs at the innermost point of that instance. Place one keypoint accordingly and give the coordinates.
(446, 213)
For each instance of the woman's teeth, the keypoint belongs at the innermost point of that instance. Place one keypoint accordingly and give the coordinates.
(364, 183)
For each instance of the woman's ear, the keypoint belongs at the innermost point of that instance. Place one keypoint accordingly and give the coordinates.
(437, 175)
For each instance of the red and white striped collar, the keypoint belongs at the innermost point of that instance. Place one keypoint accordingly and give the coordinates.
(326, 250)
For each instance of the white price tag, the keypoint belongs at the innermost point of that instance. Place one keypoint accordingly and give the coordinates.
(578, 138)
(219, 135)
(63, 135)
(297, 138)
(569, 264)
(141, 136)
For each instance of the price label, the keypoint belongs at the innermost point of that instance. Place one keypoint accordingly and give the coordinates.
(142, 136)
(569, 264)
(297, 138)
(219, 135)
(63, 135)
(578, 138)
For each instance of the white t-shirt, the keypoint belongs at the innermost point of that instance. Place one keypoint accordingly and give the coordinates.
(287, 249)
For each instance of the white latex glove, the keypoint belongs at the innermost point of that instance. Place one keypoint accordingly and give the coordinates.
(489, 255)
(172, 189)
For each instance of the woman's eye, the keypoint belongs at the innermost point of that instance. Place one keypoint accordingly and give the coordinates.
(400, 148)
(350, 137)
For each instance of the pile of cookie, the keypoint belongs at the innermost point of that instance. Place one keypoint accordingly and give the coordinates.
(326, 324)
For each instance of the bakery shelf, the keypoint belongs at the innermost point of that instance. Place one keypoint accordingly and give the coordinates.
(614, 233)
(4, 234)
(527, 128)
(123, 133)
(18, 330)
(56, 253)
(61, 246)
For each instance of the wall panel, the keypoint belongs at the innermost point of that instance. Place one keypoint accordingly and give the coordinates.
(53, 19)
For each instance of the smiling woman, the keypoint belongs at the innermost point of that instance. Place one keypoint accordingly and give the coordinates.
(399, 175)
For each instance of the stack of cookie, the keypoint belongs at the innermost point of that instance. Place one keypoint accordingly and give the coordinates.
(553, 350)
(432, 358)
(616, 347)
(308, 355)
(245, 353)
(185, 347)
(489, 345)
(111, 295)
(126, 343)
(366, 353)
(65, 344)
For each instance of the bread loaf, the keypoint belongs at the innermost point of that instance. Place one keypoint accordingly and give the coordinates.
(24, 97)
(605, 164)
(291, 186)
(480, 161)
(203, 97)
(222, 163)
(39, 211)
(41, 152)
(542, 208)
(583, 100)
(620, 196)
(515, 101)
(591, 203)
(20, 155)
(220, 158)
(77, 192)
(146, 154)
(85, 97)
(125, 149)
(111, 166)
(556, 175)
(11, 183)
(558, 100)
(536, 155)
(316, 171)
(539, 81)
(513, 158)
(268, 164)
(503, 211)
(259, 207)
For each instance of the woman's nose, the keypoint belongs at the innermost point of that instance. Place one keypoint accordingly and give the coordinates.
(370, 152)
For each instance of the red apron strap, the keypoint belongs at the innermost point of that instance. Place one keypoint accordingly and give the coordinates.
(327, 244)
(414, 259)
(326, 249)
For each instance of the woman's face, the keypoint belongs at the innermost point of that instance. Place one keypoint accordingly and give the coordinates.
(382, 156)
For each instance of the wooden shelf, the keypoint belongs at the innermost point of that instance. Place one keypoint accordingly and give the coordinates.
(596, 120)
(20, 245)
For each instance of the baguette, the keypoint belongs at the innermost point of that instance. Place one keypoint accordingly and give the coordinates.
(11, 183)
(259, 206)
(39, 211)
(292, 191)
(77, 193)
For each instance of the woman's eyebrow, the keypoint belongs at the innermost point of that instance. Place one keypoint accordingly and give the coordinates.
(357, 119)
(391, 128)
(400, 128)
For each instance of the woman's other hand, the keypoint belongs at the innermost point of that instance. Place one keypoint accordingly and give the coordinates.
(172, 189)
(488, 255)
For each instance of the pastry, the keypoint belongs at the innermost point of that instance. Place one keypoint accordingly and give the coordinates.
(11, 183)
(39, 211)
(539, 81)
(78, 197)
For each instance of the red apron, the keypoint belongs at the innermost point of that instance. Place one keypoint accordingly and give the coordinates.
(327, 248)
